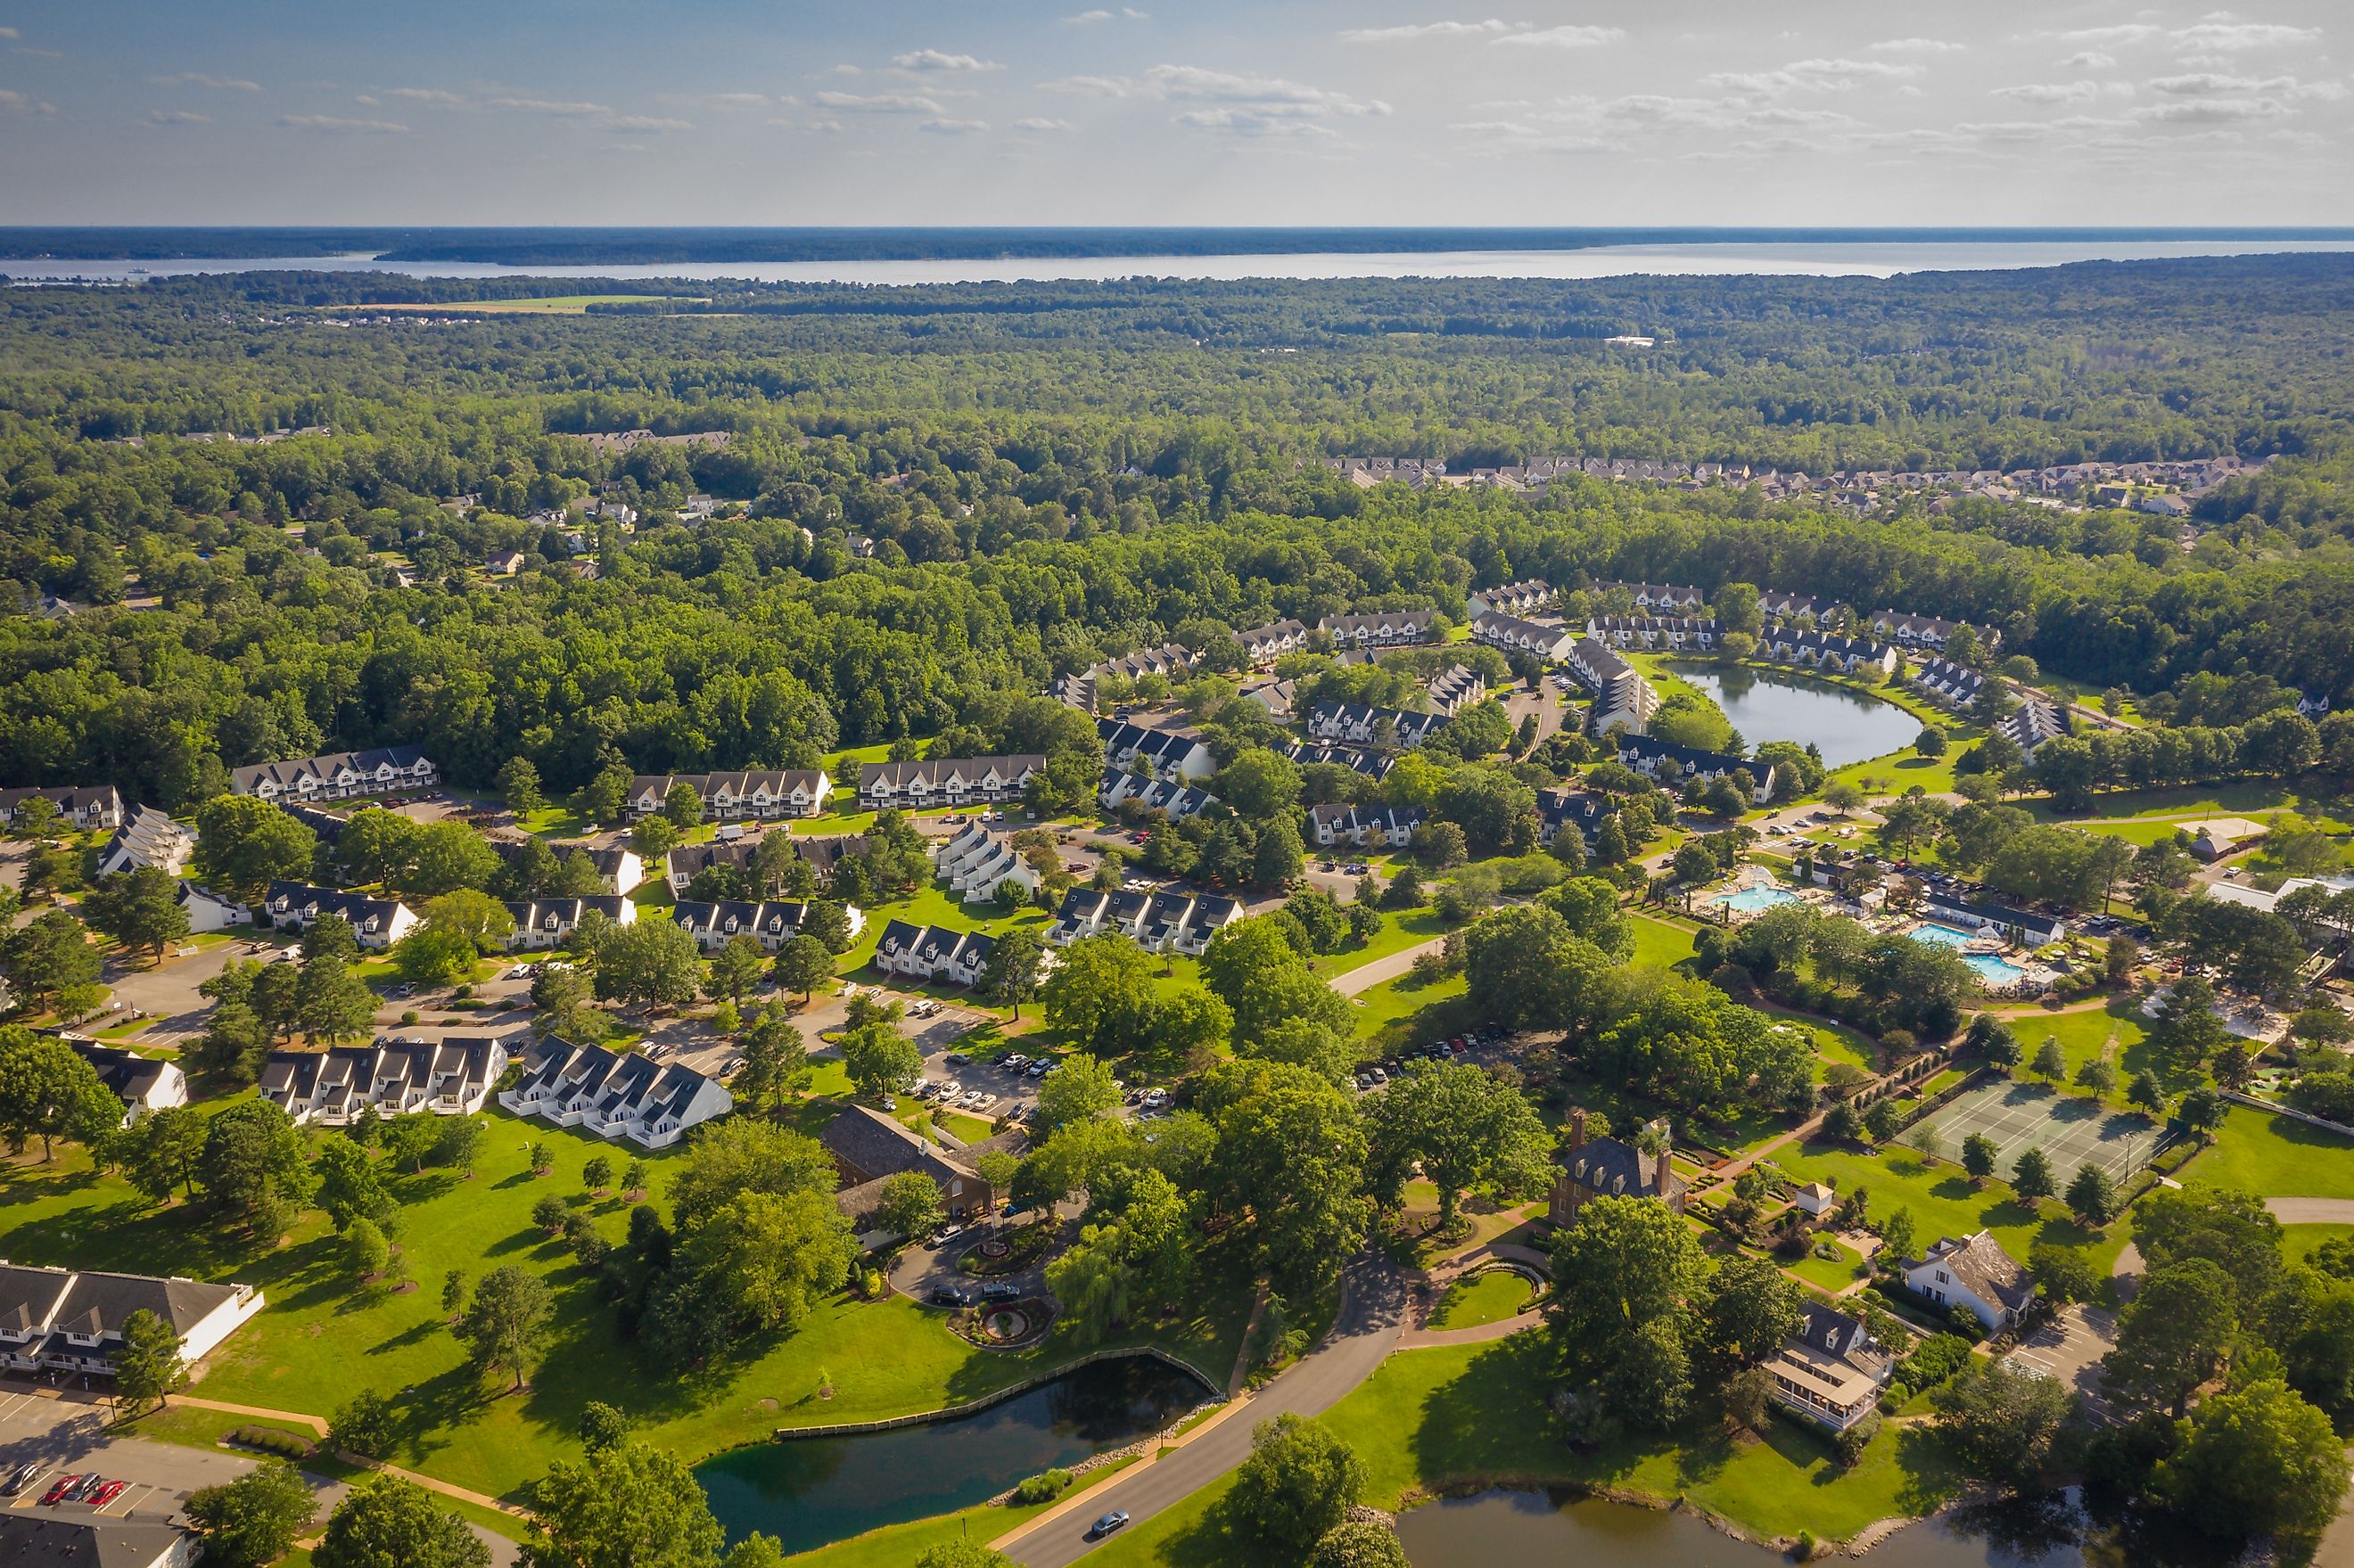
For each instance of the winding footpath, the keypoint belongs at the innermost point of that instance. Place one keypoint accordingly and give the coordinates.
(1373, 1316)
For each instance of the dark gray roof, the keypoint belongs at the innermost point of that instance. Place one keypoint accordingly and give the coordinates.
(1612, 1169)
(41, 1538)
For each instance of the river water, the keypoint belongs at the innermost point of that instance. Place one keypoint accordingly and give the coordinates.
(1862, 257)
(1845, 726)
(809, 1491)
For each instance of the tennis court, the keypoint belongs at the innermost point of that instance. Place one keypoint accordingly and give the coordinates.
(2020, 1116)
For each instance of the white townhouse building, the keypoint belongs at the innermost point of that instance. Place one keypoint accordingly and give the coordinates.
(615, 1096)
(69, 1320)
(1927, 631)
(1623, 700)
(1158, 922)
(1175, 801)
(976, 863)
(143, 1084)
(1455, 688)
(1383, 629)
(1391, 827)
(82, 807)
(1169, 659)
(933, 953)
(1166, 754)
(1653, 633)
(338, 775)
(148, 838)
(2034, 928)
(1574, 808)
(378, 923)
(1658, 598)
(1546, 645)
(1670, 763)
(452, 1078)
(544, 922)
(1831, 1370)
(772, 924)
(1373, 765)
(1785, 643)
(1512, 598)
(210, 911)
(756, 796)
(945, 781)
(1265, 644)
(1949, 685)
(1777, 605)
(1360, 723)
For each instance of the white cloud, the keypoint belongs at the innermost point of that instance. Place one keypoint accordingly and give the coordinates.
(2220, 30)
(882, 104)
(1087, 18)
(1564, 37)
(10, 33)
(2207, 82)
(1039, 122)
(31, 53)
(1095, 86)
(549, 106)
(934, 59)
(199, 78)
(15, 103)
(1242, 105)
(2213, 111)
(424, 95)
(2052, 92)
(716, 100)
(649, 122)
(177, 117)
(2089, 60)
(1815, 75)
(330, 123)
(945, 127)
(1916, 47)
(1409, 31)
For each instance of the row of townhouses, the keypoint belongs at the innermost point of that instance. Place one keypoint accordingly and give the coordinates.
(143, 1084)
(543, 923)
(1158, 922)
(1373, 765)
(1175, 801)
(758, 795)
(933, 953)
(1575, 808)
(1455, 688)
(1523, 597)
(1623, 700)
(1265, 644)
(377, 923)
(1825, 651)
(148, 838)
(945, 781)
(1163, 753)
(1362, 723)
(1381, 628)
(1654, 633)
(83, 807)
(338, 775)
(619, 868)
(1656, 598)
(452, 1077)
(823, 852)
(1672, 764)
(772, 922)
(62, 1320)
(976, 863)
(1363, 827)
(1776, 605)
(1949, 685)
(613, 1094)
(1546, 645)
(1170, 659)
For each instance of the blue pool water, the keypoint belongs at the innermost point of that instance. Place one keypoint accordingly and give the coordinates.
(1750, 900)
(1993, 968)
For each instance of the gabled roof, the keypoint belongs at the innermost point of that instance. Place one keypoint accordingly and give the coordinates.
(1978, 1261)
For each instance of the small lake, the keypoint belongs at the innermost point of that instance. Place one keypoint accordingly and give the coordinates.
(1845, 726)
(810, 1491)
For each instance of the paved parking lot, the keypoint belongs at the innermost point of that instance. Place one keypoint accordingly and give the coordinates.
(67, 1437)
(2070, 1347)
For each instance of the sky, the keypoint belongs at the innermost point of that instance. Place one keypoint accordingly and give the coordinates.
(1381, 112)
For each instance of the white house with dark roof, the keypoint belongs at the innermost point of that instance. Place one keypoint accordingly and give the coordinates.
(1173, 800)
(1672, 764)
(1511, 634)
(148, 838)
(1265, 644)
(80, 806)
(1512, 598)
(1164, 753)
(1950, 685)
(1671, 633)
(338, 775)
(772, 922)
(452, 1076)
(945, 781)
(1813, 650)
(544, 922)
(1169, 659)
(615, 1095)
(1381, 629)
(1389, 827)
(377, 923)
(758, 795)
(1973, 1272)
(1831, 1370)
(976, 863)
(36, 1538)
(1455, 688)
(1159, 922)
(1623, 699)
(1362, 723)
(143, 1084)
(61, 1320)
(1660, 599)
(1776, 605)
(933, 953)
(210, 911)
(1574, 808)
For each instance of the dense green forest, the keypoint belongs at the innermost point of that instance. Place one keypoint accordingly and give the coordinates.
(1052, 472)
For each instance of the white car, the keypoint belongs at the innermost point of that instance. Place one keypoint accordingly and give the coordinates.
(949, 1091)
(982, 1102)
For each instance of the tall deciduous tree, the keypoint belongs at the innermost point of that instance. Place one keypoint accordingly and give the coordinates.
(2172, 1336)
(254, 1519)
(1463, 1128)
(507, 1321)
(628, 1506)
(148, 1366)
(48, 1092)
(389, 1522)
(1299, 1483)
(243, 844)
(139, 908)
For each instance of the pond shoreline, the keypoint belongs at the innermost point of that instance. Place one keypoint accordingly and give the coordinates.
(984, 1401)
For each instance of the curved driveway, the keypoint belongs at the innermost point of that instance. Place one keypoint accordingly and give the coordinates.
(2287, 1210)
(1372, 1312)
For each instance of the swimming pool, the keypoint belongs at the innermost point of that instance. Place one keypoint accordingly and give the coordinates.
(1993, 968)
(1750, 900)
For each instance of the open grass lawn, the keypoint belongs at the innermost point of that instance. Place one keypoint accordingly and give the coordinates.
(320, 1339)
(2276, 1156)
(1944, 1203)
(1400, 930)
(2189, 802)
(2298, 1242)
(1464, 1415)
(1406, 1011)
(1826, 1274)
(1489, 1298)
(1662, 944)
(2086, 1037)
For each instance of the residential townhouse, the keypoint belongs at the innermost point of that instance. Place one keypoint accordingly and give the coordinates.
(378, 923)
(1973, 1272)
(715, 923)
(1949, 686)
(1655, 633)
(615, 1096)
(97, 1541)
(1159, 922)
(453, 1076)
(1776, 605)
(1164, 753)
(83, 807)
(1671, 764)
(1546, 645)
(976, 863)
(1575, 808)
(69, 1320)
(1362, 723)
(1170, 659)
(1390, 827)
(617, 867)
(1075, 692)
(1455, 688)
(1512, 599)
(1926, 630)
(1277, 696)
(1623, 700)
(338, 775)
(210, 911)
(1265, 644)
(1788, 645)
(1383, 629)
(1831, 1372)
(143, 1084)
(1375, 765)
(933, 953)
(945, 781)
(1658, 598)
(544, 922)
(1175, 801)
(148, 838)
(326, 824)
(823, 851)
(757, 796)
(2033, 722)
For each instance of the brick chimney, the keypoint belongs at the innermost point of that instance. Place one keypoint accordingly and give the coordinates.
(1576, 1129)
(1660, 1171)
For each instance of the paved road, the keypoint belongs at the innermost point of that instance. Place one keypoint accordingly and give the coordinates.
(1388, 967)
(1369, 1322)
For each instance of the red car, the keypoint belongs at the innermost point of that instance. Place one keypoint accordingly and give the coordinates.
(107, 1494)
(57, 1490)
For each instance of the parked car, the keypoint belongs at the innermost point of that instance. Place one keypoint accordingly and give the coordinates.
(1036, 1069)
(1107, 1524)
(951, 1296)
(23, 1475)
(999, 1290)
(1364, 1081)
(57, 1490)
(1155, 1099)
(946, 1235)
(1378, 1075)
(107, 1493)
